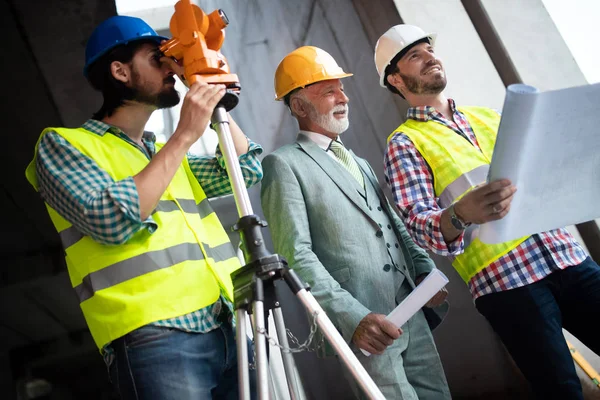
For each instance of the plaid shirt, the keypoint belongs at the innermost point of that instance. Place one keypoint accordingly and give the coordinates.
(108, 211)
(411, 181)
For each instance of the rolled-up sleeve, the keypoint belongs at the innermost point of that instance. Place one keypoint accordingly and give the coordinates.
(411, 182)
(211, 172)
(84, 194)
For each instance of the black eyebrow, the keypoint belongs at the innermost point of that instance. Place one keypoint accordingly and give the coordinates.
(411, 52)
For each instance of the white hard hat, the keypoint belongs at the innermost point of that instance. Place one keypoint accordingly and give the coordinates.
(395, 40)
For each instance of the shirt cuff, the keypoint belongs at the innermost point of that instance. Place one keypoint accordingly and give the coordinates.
(125, 195)
(453, 248)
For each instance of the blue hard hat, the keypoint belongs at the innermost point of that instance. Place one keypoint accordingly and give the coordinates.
(114, 31)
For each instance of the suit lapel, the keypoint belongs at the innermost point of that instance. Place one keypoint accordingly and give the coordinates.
(342, 179)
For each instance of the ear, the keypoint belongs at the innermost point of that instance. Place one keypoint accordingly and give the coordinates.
(298, 107)
(396, 81)
(120, 71)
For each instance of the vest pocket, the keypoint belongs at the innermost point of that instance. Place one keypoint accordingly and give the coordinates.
(341, 275)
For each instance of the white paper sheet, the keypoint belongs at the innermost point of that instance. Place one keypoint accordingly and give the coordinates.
(417, 299)
(548, 145)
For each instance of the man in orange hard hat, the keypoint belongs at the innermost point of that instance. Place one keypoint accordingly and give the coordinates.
(436, 165)
(330, 220)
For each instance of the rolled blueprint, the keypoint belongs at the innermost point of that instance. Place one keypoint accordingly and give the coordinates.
(417, 299)
(548, 145)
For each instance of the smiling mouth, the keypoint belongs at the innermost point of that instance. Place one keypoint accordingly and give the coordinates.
(433, 69)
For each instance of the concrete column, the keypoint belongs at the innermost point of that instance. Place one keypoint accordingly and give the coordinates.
(534, 44)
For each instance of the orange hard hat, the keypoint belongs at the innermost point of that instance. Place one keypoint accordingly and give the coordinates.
(303, 66)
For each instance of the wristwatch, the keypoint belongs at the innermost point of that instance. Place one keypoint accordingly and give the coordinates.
(456, 222)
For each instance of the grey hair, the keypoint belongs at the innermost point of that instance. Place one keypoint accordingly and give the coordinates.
(298, 94)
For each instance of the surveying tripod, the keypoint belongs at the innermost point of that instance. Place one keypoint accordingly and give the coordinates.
(196, 41)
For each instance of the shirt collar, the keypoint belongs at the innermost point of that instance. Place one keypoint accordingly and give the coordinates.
(100, 128)
(425, 113)
(320, 140)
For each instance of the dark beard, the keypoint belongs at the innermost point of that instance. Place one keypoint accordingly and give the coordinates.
(418, 86)
(168, 97)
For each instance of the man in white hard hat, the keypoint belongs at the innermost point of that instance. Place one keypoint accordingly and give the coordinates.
(436, 165)
(330, 220)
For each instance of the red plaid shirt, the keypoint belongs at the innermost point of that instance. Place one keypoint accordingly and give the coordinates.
(411, 182)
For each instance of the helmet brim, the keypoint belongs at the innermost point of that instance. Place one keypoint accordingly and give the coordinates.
(328, 78)
(158, 39)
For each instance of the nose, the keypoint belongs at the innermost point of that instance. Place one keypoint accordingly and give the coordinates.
(166, 64)
(342, 98)
(430, 58)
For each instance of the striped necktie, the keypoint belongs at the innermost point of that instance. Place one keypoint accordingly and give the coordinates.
(346, 159)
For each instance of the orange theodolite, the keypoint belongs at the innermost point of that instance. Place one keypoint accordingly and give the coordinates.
(196, 43)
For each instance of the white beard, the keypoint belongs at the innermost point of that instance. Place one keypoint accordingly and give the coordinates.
(329, 122)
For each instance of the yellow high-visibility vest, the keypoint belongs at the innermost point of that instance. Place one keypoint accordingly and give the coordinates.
(457, 167)
(181, 267)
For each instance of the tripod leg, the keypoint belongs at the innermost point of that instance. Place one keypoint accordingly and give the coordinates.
(242, 355)
(260, 342)
(289, 364)
(339, 344)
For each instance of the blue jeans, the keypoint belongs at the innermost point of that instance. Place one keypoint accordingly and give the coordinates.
(169, 364)
(529, 321)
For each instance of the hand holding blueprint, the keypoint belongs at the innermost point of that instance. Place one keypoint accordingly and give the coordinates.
(548, 145)
(417, 299)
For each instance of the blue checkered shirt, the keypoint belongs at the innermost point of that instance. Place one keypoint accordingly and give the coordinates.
(87, 196)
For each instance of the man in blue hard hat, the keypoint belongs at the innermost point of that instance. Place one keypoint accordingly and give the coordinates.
(146, 254)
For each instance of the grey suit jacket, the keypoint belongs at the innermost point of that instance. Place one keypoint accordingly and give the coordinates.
(320, 223)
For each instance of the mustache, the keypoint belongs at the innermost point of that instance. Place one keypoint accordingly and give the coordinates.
(431, 65)
(339, 108)
(170, 79)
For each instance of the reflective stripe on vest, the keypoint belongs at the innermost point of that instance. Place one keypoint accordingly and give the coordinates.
(145, 263)
(458, 167)
(183, 266)
(462, 184)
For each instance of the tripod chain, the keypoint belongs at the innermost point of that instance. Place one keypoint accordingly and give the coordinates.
(300, 347)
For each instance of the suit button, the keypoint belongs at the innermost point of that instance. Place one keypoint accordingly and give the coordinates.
(397, 245)
(378, 208)
(388, 245)
(386, 267)
(370, 208)
(379, 234)
(389, 226)
(381, 226)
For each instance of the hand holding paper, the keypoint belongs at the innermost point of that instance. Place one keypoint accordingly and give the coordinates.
(428, 288)
(547, 145)
(375, 333)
